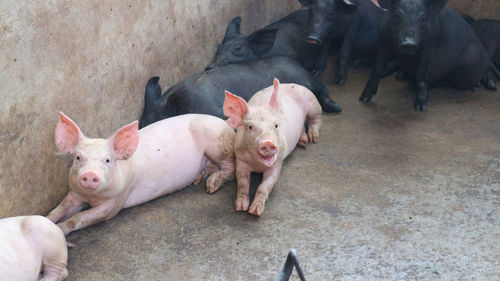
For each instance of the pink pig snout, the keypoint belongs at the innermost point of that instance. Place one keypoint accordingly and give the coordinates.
(267, 148)
(90, 180)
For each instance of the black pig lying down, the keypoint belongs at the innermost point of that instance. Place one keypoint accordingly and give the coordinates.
(488, 32)
(290, 262)
(204, 92)
(351, 23)
(431, 42)
(285, 37)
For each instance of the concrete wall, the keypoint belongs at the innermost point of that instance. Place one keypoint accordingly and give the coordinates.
(91, 59)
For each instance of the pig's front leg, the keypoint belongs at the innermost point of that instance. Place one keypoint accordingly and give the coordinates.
(71, 204)
(320, 63)
(102, 212)
(422, 79)
(270, 178)
(378, 71)
(345, 55)
(243, 181)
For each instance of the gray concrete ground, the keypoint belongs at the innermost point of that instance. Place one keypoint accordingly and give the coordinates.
(387, 194)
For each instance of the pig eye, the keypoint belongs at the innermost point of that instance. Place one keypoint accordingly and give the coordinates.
(250, 127)
(77, 157)
(276, 126)
(107, 160)
(423, 21)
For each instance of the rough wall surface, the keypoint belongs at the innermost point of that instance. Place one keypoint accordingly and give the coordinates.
(477, 8)
(91, 59)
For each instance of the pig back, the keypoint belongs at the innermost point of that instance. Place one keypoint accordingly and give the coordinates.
(16, 249)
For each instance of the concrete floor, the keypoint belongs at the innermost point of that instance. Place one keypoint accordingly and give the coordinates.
(387, 194)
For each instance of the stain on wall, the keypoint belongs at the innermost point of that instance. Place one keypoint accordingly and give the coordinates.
(91, 60)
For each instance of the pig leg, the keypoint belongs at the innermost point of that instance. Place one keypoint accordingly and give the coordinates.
(71, 204)
(270, 178)
(223, 156)
(320, 64)
(313, 121)
(243, 180)
(421, 76)
(96, 214)
(303, 139)
(383, 60)
(210, 168)
(345, 54)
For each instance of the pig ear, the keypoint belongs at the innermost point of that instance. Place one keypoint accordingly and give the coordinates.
(384, 4)
(262, 41)
(125, 140)
(67, 134)
(235, 108)
(233, 28)
(306, 3)
(274, 103)
(350, 2)
(435, 6)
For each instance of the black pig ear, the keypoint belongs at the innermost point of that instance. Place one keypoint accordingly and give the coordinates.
(384, 4)
(233, 28)
(350, 2)
(262, 41)
(435, 6)
(306, 3)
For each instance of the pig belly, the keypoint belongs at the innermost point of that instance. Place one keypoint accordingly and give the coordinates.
(166, 161)
(18, 260)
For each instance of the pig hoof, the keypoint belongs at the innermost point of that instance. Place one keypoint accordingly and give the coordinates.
(198, 179)
(491, 84)
(365, 97)
(214, 182)
(303, 140)
(256, 209)
(330, 106)
(242, 203)
(420, 106)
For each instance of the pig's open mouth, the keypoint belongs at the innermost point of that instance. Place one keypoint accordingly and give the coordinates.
(268, 160)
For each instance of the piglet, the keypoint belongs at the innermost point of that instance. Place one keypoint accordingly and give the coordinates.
(132, 167)
(268, 129)
(29, 245)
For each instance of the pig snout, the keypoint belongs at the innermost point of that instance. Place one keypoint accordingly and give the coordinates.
(408, 46)
(267, 152)
(90, 180)
(313, 39)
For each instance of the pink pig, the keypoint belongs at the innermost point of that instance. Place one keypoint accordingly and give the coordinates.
(29, 245)
(268, 129)
(133, 167)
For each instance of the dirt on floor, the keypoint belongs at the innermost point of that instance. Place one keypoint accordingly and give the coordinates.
(387, 194)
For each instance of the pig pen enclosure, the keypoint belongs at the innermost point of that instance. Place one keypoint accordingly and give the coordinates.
(388, 193)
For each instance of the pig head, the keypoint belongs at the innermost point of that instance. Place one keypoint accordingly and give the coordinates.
(95, 177)
(259, 141)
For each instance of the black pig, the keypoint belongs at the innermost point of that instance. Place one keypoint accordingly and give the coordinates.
(431, 42)
(285, 37)
(351, 23)
(488, 31)
(204, 92)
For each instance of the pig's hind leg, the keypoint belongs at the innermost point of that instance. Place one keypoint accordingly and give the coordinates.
(222, 155)
(209, 169)
(313, 120)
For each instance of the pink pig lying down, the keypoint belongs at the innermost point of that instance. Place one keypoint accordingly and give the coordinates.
(268, 129)
(133, 167)
(29, 245)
